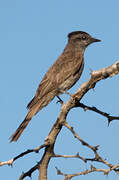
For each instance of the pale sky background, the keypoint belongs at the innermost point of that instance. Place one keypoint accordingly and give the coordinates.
(32, 36)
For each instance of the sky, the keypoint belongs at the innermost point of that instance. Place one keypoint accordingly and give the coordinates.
(32, 35)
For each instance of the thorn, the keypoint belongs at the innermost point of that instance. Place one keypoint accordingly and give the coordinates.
(93, 168)
(58, 171)
(109, 121)
(11, 165)
(72, 128)
(85, 109)
(10, 162)
(36, 151)
(90, 70)
(77, 154)
(30, 176)
(93, 89)
(22, 173)
(96, 147)
(106, 173)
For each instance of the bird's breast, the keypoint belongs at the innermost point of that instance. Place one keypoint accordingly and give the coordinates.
(73, 78)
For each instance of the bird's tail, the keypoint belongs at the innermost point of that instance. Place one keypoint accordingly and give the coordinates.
(15, 136)
(34, 106)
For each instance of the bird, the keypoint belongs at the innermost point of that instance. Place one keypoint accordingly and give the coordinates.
(60, 77)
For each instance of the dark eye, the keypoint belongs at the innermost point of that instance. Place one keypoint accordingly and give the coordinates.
(84, 37)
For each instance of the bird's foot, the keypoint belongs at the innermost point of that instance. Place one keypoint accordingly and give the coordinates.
(65, 92)
(60, 100)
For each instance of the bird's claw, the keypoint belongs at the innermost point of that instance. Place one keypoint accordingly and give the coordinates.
(60, 100)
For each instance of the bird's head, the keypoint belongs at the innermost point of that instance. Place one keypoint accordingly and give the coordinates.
(81, 38)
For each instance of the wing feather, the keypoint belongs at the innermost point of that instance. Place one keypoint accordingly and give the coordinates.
(61, 70)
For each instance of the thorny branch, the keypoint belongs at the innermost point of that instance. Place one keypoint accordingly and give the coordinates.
(97, 158)
(92, 169)
(36, 150)
(94, 109)
(74, 101)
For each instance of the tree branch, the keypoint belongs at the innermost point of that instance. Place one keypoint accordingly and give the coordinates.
(71, 156)
(93, 148)
(61, 120)
(65, 108)
(94, 109)
(92, 169)
(36, 150)
(29, 172)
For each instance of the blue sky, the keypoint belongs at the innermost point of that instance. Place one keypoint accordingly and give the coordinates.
(32, 36)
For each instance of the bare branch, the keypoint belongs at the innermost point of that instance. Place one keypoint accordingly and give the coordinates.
(94, 109)
(29, 173)
(42, 165)
(95, 77)
(92, 169)
(71, 156)
(36, 150)
(97, 157)
(61, 120)
(9, 163)
(94, 148)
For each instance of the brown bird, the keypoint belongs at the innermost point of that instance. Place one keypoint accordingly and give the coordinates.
(61, 76)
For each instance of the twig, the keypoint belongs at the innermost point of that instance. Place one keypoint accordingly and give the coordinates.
(92, 169)
(97, 157)
(36, 150)
(94, 109)
(71, 156)
(29, 172)
(94, 148)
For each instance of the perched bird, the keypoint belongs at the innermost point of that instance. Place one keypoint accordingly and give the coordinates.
(61, 76)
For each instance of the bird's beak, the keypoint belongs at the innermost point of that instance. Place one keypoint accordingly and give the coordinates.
(95, 40)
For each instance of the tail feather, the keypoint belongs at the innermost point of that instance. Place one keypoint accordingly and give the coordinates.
(32, 102)
(15, 136)
(34, 106)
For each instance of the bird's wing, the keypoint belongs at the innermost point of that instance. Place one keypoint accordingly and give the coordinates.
(61, 70)
(65, 66)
